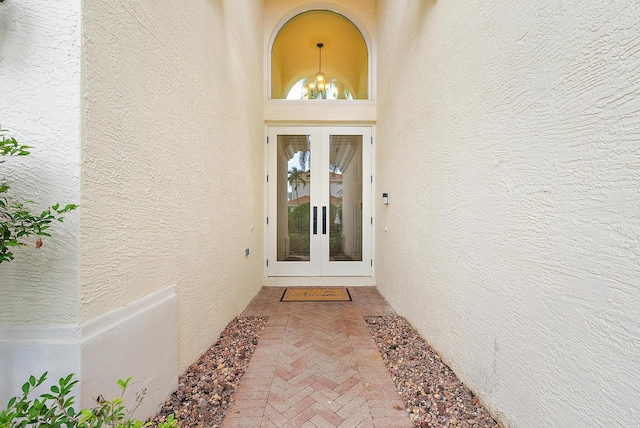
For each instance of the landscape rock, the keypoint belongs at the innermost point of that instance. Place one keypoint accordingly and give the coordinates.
(432, 393)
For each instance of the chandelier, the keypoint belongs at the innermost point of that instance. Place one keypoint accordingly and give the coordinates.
(315, 87)
(321, 87)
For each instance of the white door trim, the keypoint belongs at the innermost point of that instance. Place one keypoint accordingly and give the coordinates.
(319, 264)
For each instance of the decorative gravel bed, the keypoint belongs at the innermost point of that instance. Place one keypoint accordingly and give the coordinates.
(205, 389)
(433, 395)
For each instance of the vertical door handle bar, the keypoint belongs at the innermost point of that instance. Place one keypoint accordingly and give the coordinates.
(315, 220)
(324, 220)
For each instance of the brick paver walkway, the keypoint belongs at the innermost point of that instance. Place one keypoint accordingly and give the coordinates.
(316, 365)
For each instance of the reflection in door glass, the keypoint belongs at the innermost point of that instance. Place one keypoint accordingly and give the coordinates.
(293, 181)
(345, 178)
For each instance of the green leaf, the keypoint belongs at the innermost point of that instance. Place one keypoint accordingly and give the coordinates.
(85, 415)
(124, 383)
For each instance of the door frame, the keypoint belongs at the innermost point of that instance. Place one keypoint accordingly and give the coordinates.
(320, 265)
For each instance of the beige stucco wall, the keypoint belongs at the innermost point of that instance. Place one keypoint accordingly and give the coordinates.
(40, 104)
(172, 160)
(508, 140)
(40, 107)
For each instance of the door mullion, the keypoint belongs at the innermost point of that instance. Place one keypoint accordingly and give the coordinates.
(315, 200)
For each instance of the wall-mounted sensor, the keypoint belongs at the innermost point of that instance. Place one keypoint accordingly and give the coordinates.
(246, 251)
(385, 198)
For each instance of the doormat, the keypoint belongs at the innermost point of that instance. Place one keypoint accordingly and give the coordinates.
(316, 295)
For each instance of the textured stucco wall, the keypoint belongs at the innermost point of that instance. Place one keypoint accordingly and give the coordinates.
(173, 160)
(509, 141)
(40, 106)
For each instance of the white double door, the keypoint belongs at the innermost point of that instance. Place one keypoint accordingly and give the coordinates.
(319, 201)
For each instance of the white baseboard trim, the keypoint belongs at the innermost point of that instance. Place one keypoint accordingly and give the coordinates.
(139, 340)
(97, 326)
(319, 281)
(22, 358)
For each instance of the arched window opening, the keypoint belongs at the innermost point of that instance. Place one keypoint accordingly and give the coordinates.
(319, 55)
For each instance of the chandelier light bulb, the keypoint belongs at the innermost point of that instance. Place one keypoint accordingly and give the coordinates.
(316, 87)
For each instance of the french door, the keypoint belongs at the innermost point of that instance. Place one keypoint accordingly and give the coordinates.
(319, 201)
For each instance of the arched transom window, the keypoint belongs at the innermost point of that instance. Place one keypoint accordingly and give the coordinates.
(319, 55)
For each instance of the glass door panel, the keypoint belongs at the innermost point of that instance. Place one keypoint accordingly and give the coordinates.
(294, 198)
(346, 249)
(292, 249)
(345, 194)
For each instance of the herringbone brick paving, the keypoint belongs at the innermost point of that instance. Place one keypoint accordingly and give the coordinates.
(316, 365)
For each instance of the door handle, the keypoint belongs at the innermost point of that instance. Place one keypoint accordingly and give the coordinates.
(324, 220)
(315, 220)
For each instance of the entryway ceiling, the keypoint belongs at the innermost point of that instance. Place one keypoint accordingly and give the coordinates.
(295, 52)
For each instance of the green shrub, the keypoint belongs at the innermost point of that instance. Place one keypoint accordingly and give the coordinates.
(299, 243)
(56, 410)
(299, 219)
(16, 222)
